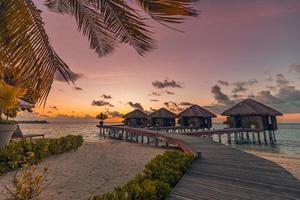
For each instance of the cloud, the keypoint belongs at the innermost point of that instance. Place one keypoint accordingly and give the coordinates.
(155, 94)
(53, 107)
(225, 83)
(281, 80)
(295, 68)
(101, 103)
(153, 109)
(241, 86)
(106, 96)
(173, 106)
(270, 87)
(185, 103)
(267, 97)
(135, 105)
(220, 97)
(289, 93)
(167, 84)
(77, 88)
(114, 114)
(73, 76)
(236, 96)
(169, 92)
(154, 100)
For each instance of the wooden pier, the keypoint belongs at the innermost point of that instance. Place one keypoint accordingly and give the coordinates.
(221, 172)
(228, 173)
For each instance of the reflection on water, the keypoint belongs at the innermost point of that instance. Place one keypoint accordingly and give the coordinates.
(288, 135)
(288, 140)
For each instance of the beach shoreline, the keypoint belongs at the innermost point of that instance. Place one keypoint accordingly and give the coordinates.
(288, 162)
(95, 168)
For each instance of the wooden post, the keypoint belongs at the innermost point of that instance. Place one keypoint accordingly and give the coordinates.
(274, 136)
(126, 136)
(253, 138)
(271, 137)
(248, 137)
(235, 137)
(258, 137)
(167, 144)
(156, 142)
(242, 137)
(148, 140)
(219, 136)
(131, 138)
(265, 138)
(229, 138)
(142, 139)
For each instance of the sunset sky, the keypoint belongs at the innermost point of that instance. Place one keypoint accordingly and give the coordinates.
(235, 49)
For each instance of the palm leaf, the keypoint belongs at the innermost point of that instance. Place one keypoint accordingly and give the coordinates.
(169, 11)
(89, 22)
(125, 23)
(26, 43)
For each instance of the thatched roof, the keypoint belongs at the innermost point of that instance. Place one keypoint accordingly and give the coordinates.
(251, 107)
(135, 114)
(162, 113)
(196, 111)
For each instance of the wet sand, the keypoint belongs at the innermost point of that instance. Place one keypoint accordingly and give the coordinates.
(94, 169)
(290, 163)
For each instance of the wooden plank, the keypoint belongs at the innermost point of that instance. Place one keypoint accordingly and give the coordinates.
(224, 172)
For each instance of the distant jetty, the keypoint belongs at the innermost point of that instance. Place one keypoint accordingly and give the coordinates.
(33, 122)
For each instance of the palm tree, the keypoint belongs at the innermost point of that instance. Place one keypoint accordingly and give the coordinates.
(25, 49)
(101, 117)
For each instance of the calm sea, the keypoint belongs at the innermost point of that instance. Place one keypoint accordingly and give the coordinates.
(288, 135)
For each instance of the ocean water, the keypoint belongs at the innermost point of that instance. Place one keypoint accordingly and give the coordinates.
(288, 135)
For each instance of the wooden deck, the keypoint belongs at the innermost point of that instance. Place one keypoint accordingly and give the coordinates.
(228, 173)
(222, 172)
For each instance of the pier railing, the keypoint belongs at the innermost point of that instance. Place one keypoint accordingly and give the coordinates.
(142, 135)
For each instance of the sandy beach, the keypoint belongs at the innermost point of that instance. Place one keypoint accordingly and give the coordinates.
(94, 169)
(290, 163)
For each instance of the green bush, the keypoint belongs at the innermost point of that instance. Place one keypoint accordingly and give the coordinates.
(15, 154)
(155, 182)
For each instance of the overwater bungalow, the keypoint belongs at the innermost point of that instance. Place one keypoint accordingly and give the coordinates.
(162, 118)
(252, 114)
(135, 118)
(196, 116)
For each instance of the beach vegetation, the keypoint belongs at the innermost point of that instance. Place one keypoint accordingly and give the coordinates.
(156, 181)
(18, 153)
(28, 183)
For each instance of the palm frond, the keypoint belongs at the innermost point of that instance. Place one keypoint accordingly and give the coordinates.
(90, 23)
(124, 23)
(26, 43)
(168, 11)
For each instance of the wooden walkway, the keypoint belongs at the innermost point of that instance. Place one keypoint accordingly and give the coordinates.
(222, 172)
(228, 173)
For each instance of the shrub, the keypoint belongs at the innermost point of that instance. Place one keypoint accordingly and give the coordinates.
(16, 154)
(155, 182)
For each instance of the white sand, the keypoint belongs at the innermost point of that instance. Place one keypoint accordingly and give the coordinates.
(290, 163)
(94, 169)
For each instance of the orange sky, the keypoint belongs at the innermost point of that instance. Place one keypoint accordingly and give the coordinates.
(246, 48)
